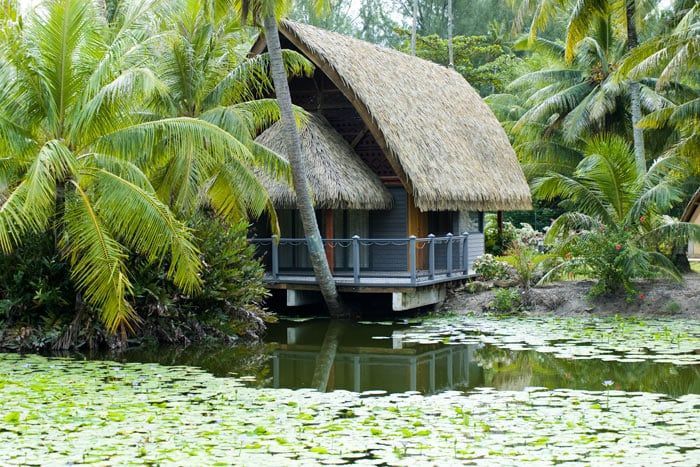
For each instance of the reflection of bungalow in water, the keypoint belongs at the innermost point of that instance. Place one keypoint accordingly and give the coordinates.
(403, 159)
(692, 214)
(366, 365)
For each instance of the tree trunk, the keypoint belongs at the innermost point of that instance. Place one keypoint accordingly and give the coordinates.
(414, 27)
(635, 92)
(326, 356)
(450, 47)
(296, 160)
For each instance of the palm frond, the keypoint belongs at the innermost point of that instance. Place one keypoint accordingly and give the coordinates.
(570, 222)
(97, 262)
(142, 222)
(251, 79)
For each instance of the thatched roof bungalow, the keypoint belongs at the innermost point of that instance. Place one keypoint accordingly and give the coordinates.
(398, 147)
(434, 131)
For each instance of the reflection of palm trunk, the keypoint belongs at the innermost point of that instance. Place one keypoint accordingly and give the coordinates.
(326, 356)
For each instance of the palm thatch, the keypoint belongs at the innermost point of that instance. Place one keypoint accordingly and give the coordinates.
(692, 206)
(442, 140)
(337, 176)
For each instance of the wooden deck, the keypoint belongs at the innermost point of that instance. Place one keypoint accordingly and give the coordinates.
(374, 282)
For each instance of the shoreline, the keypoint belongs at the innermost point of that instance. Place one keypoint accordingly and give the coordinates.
(659, 299)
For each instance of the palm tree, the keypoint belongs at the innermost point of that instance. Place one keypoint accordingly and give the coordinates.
(615, 226)
(540, 149)
(582, 97)
(670, 56)
(674, 58)
(205, 79)
(584, 15)
(267, 12)
(79, 150)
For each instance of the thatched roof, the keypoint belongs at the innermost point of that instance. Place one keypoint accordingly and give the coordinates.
(337, 176)
(440, 137)
(691, 207)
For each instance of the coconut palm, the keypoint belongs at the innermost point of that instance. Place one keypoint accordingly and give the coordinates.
(206, 79)
(615, 227)
(674, 58)
(77, 150)
(267, 13)
(584, 16)
(581, 98)
(671, 56)
(540, 150)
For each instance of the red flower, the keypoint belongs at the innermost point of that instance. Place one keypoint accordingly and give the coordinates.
(642, 296)
(618, 247)
(642, 219)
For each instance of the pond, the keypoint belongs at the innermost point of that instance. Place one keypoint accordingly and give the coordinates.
(445, 390)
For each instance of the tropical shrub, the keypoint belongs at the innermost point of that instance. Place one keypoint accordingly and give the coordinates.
(614, 229)
(506, 300)
(232, 295)
(495, 243)
(490, 268)
(525, 262)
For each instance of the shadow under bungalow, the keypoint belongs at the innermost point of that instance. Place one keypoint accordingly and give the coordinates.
(403, 159)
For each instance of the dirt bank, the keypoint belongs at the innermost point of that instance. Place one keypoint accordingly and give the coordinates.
(657, 298)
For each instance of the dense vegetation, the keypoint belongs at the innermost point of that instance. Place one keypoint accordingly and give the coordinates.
(130, 165)
(128, 142)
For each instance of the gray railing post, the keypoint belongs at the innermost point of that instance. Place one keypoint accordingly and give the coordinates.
(275, 256)
(431, 256)
(356, 258)
(465, 253)
(412, 258)
(449, 255)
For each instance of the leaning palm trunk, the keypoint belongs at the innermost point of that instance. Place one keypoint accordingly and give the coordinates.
(635, 92)
(308, 217)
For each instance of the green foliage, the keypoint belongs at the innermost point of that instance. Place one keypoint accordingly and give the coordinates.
(115, 134)
(232, 288)
(489, 268)
(614, 229)
(506, 300)
(34, 281)
(526, 261)
(484, 63)
(495, 243)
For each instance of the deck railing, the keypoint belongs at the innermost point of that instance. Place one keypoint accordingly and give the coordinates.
(446, 256)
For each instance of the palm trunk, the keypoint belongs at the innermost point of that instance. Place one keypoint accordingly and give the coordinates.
(296, 160)
(326, 356)
(414, 27)
(450, 48)
(635, 92)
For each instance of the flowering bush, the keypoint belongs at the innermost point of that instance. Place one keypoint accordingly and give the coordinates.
(529, 237)
(490, 268)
